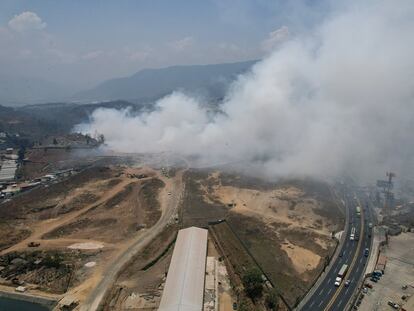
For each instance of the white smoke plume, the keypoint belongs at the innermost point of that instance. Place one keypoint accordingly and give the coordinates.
(339, 99)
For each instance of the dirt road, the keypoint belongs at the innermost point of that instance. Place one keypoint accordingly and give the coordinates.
(45, 226)
(170, 197)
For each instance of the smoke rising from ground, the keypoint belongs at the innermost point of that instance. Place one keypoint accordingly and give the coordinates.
(339, 99)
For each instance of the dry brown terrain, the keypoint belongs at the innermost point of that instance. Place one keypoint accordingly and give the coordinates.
(140, 285)
(44, 161)
(286, 226)
(81, 225)
(77, 227)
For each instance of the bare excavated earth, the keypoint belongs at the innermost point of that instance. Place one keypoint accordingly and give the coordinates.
(63, 236)
(286, 226)
(131, 209)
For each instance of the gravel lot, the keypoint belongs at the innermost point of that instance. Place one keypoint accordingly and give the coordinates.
(399, 271)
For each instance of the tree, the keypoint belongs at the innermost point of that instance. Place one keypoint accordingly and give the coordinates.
(253, 283)
(272, 300)
(21, 152)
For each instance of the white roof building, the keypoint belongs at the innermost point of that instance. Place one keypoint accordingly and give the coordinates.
(184, 287)
(7, 170)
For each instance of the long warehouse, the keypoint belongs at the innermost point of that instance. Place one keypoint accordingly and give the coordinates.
(184, 287)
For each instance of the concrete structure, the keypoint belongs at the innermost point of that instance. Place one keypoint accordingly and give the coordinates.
(7, 170)
(211, 285)
(378, 236)
(184, 287)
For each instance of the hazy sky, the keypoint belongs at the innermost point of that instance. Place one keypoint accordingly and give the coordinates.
(79, 43)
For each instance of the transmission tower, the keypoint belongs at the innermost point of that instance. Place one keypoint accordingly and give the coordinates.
(388, 194)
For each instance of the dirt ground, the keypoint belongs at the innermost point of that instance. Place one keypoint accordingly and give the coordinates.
(40, 162)
(133, 208)
(93, 214)
(399, 271)
(286, 226)
(140, 285)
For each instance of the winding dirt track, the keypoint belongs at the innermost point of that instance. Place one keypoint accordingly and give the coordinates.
(169, 205)
(48, 225)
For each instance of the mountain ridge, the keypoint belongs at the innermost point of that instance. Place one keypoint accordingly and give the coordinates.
(206, 80)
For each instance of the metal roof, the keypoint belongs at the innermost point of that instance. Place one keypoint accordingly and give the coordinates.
(7, 170)
(184, 287)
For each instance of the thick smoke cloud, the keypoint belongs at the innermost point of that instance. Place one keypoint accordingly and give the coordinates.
(339, 99)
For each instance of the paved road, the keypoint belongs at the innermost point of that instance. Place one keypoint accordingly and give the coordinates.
(358, 271)
(142, 240)
(327, 296)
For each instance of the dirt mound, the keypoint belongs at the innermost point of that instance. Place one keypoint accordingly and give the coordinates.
(285, 225)
(77, 226)
(282, 205)
(10, 235)
(42, 200)
(303, 259)
(134, 207)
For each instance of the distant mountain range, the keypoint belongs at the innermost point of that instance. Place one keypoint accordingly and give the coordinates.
(210, 81)
(206, 80)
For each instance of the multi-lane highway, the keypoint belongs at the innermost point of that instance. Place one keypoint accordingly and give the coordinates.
(327, 296)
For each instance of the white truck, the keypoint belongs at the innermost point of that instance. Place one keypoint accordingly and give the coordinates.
(352, 236)
(341, 275)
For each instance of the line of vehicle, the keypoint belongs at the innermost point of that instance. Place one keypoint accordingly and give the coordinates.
(338, 291)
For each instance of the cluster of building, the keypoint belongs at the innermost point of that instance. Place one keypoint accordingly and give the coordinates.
(10, 187)
(8, 165)
(5, 139)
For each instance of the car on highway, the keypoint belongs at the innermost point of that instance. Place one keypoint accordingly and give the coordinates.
(347, 282)
(352, 235)
(338, 281)
(341, 275)
(366, 252)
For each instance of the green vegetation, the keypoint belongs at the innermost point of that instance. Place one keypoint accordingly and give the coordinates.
(53, 260)
(272, 300)
(253, 283)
